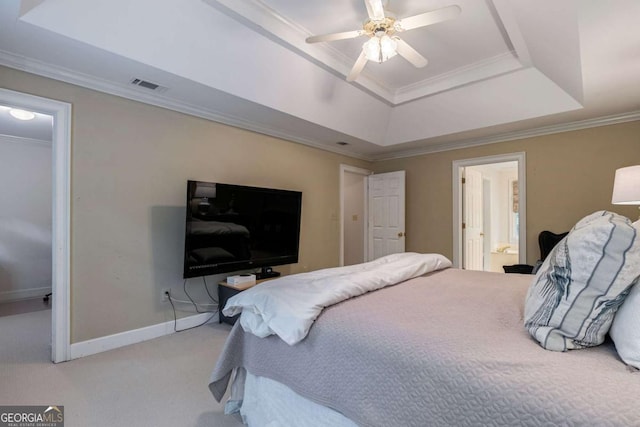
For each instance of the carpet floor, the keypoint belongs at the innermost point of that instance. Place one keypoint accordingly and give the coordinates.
(23, 306)
(161, 382)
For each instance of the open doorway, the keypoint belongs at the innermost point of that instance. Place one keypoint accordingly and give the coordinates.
(25, 219)
(489, 212)
(353, 215)
(25, 233)
(59, 208)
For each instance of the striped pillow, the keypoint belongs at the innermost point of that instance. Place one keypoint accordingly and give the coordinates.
(579, 287)
(625, 329)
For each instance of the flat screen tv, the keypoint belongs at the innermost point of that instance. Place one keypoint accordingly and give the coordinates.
(234, 227)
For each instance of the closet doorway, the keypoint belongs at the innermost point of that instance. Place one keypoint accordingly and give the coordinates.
(372, 214)
(59, 210)
(353, 215)
(489, 209)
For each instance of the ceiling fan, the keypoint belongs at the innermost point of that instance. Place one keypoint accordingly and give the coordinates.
(381, 28)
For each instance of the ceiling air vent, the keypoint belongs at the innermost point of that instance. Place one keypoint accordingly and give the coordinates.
(148, 85)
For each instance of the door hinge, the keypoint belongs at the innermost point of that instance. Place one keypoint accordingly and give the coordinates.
(464, 225)
(464, 181)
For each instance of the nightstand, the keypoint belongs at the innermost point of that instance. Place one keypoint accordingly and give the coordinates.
(226, 291)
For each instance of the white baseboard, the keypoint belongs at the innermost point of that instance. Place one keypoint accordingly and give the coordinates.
(7, 296)
(110, 342)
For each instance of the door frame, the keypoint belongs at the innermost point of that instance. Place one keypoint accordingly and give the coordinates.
(60, 212)
(365, 173)
(520, 158)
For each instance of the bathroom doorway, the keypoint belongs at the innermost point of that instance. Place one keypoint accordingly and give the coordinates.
(489, 212)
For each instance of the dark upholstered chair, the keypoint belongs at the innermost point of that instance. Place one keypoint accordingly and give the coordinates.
(547, 241)
(518, 268)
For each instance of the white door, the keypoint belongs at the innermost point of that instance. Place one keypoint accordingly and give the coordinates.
(386, 214)
(472, 208)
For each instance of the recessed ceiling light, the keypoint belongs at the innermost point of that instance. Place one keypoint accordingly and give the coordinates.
(22, 114)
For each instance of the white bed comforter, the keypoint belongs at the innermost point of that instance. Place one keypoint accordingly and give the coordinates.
(288, 306)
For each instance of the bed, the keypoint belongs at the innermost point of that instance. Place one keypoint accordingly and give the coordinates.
(442, 349)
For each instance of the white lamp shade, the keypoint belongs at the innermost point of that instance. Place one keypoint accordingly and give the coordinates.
(626, 186)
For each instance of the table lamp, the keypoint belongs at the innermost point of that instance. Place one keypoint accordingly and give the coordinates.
(626, 186)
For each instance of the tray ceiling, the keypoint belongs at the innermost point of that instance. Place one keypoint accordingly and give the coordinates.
(501, 67)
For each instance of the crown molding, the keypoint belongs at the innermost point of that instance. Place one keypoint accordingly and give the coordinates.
(69, 76)
(90, 82)
(471, 73)
(513, 136)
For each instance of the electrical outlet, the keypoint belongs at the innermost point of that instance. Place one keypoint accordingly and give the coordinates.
(165, 294)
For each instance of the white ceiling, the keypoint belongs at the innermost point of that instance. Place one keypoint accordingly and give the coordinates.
(503, 69)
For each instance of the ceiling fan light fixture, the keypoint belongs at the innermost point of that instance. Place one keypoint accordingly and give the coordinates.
(381, 28)
(380, 49)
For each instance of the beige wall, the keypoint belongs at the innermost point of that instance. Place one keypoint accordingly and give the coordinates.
(130, 164)
(569, 175)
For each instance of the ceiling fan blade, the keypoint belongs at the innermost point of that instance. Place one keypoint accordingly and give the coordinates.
(410, 54)
(357, 67)
(428, 18)
(335, 36)
(375, 9)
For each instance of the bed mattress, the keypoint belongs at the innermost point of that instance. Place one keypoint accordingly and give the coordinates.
(448, 348)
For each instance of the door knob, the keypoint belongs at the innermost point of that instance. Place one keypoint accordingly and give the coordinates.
(400, 234)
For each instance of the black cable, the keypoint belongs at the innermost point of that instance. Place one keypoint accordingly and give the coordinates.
(203, 323)
(184, 287)
(175, 318)
(204, 279)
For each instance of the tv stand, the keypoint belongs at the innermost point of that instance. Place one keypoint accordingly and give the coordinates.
(266, 273)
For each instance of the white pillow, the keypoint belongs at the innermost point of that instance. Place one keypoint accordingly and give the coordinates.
(582, 283)
(625, 330)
